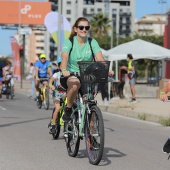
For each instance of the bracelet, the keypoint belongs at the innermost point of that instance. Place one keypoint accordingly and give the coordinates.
(37, 77)
(64, 70)
(50, 84)
(162, 92)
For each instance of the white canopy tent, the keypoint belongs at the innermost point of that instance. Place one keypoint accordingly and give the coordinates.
(139, 49)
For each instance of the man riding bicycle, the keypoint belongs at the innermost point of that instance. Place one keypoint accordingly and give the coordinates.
(42, 69)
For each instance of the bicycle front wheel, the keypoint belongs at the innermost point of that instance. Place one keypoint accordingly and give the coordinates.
(46, 99)
(94, 135)
(73, 139)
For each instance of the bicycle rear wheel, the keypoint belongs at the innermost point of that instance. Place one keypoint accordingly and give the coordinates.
(46, 99)
(73, 139)
(57, 128)
(94, 135)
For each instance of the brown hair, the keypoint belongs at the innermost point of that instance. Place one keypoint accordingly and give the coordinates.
(73, 33)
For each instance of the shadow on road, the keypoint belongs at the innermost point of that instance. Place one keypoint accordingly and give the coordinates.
(107, 155)
(27, 121)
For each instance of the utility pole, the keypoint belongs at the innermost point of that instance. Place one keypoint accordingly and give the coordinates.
(162, 12)
(59, 27)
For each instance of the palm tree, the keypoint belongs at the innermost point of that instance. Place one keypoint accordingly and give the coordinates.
(100, 25)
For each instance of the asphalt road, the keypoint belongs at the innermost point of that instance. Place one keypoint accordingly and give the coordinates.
(25, 143)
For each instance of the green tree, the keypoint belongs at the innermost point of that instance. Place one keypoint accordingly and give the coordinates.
(99, 25)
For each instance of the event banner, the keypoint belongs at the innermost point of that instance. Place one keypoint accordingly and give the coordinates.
(29, 13)
(16, 58)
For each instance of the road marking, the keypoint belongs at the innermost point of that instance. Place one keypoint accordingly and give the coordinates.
(2, 108)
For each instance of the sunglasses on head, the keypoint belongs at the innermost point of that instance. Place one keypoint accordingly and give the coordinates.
(82, 27)
(43, 58)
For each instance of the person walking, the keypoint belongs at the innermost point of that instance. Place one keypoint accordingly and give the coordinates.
(104, 93)
(131, 75)
(32, 78)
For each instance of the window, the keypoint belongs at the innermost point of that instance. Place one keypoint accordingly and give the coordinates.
(92, 10)
(68, 11)
(69, 19)
(68, 3)
(99, 9)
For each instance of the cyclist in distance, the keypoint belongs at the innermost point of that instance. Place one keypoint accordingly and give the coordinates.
(8, 73)
(80, 51)
(58, 93)
(42, 69)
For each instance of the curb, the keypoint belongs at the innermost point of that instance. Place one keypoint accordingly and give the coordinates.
(131, 113)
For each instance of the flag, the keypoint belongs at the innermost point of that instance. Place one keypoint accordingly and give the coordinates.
(16, 58)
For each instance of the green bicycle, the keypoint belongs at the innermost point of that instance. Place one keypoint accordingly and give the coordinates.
(43, 97)
(86, 119)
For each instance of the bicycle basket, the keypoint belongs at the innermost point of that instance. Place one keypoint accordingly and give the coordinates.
(94, 72)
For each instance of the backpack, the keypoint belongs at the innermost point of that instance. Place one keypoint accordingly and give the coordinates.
(89, 40)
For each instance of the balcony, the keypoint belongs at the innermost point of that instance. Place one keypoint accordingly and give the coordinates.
(125, 14)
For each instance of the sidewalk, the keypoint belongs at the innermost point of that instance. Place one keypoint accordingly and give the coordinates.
(147, 108)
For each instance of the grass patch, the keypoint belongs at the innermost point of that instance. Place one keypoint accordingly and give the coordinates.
(142, 116)
(164, 121)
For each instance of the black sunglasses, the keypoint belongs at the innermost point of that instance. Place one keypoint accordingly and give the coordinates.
(43, 58)
(82, 27)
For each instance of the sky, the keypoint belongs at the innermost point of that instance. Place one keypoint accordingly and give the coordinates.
(143, 7)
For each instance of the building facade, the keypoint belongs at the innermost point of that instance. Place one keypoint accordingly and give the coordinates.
(151, 24)
(121, 12)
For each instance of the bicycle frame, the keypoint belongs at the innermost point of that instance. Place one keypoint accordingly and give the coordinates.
(81, 109)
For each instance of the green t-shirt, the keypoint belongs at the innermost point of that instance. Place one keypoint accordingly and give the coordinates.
(79, 53)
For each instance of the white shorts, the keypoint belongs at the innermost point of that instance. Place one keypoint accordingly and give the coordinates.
(58, 95)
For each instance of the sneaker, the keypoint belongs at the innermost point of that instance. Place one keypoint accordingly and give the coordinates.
(102, 103)
(0, 95)
(133, 101)
(67, 113)
(166, 147)
(52, 129)
(106, 103)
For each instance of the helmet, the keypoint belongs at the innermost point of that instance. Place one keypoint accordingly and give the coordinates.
(59, 59)
(42, 55)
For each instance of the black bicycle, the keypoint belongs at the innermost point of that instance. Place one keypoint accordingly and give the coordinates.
(8, 89)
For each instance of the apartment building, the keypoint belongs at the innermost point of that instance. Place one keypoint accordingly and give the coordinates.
(122, 12)
(151, 24)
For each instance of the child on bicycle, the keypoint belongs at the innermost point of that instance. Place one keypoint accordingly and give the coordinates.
(164, 97)
(58, 93)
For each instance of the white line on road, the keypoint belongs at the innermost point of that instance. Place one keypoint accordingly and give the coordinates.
(2, 108)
